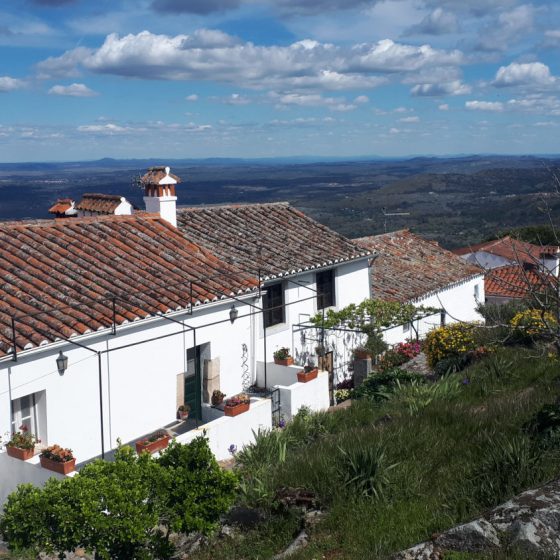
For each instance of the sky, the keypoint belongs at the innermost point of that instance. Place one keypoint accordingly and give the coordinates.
(82, 79)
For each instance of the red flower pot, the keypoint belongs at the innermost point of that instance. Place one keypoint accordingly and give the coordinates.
(289, 361)
(304, 377)
(58, 466)
(19, 453)
(152, 446)
(237, 409)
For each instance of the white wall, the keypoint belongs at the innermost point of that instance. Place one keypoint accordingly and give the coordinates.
(459, 303)
(139, 382)
(15, 472)
(314, 394)
(352, 285)
(237, 430)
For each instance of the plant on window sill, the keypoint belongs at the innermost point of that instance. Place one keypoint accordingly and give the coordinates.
(22, 444)
(282, 357)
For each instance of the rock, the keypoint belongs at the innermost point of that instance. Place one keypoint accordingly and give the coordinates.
(301, 541)
(476, 536)
(245, 517)
(227, 531)
(422, 551)
(296, 497)
(311, 518)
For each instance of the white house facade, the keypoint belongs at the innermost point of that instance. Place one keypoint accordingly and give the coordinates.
(411, 269)
(109, 323)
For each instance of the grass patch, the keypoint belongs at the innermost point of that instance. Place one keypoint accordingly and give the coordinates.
(391, 473)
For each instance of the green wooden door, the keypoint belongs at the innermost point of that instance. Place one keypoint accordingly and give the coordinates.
(193, 383)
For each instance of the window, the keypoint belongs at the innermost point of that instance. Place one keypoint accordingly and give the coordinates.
(325, 289)
(406, 328)
(274, 305)
(442, 318)
(29, 411)
(476, 292)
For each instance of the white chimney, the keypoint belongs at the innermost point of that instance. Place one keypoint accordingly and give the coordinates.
(159, 193)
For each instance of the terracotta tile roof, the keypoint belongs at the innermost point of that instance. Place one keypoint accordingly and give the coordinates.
(410, 267)
(515, 281)
(155, 175)
(274, 238)
(61, 206)
(56, 276)
(511, 249)
(99, 203)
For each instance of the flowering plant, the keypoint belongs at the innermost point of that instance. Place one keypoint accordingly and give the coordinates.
(282, 353)
(23, 439)
(409, 349)
(217, 397)
(236, 400)
(456, 339)
(184, 408)
(534, 322)
(57, 453)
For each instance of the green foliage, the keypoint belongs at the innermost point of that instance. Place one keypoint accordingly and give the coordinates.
(371, 315)
(452, 340)
(416, 396)
(538, 235)
(363, 471)
(545, 423)
(124, 508)
(380, 386)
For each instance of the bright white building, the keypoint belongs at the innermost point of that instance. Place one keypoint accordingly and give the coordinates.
(411, 269)
(109, 323)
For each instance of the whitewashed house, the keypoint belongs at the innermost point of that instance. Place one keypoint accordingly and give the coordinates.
(109, 323)
(411, 269)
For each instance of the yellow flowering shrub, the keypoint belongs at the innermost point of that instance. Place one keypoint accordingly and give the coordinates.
(451, 340)
(534, 322)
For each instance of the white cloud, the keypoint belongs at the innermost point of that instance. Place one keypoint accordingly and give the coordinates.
(10, 84)
(108, 128)
(494, 106)
(361, 99)
(237, 99)
(531, 73)
(214, 55)
(509, 28)
(438, 22)
(456, 87)
(443, 107)
(192, 97)
(413, 119)
(73, 90)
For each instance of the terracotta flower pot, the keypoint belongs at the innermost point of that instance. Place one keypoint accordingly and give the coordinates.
(304, 377)
(183, 415)
(289, 361)
(58, 466)
(19, 453)
(237, 409)
(152, 446)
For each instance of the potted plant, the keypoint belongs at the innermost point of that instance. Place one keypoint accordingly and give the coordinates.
(237, 404)
(183, 411)
(217, 398)
(282, 357)
(58, 459)
(308, 373)
(22, 444)
(154, 442)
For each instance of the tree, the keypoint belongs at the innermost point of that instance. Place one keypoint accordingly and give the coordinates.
(124, 508)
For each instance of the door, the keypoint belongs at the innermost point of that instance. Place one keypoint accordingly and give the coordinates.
(193, 383)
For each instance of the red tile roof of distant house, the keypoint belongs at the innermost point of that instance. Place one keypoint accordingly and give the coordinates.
(59, 277)
(410, 267)
(511, 249)
(99, 203)
(155, 174)
(515, 281)
(274, 238)
(61, 206)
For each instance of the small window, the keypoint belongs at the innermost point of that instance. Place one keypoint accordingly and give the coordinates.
(476, 292)
(406, 328)
(442, 318)
(274, 305)
(325, 289)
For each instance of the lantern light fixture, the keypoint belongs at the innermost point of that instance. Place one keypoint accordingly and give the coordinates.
(233, 313)
(61, 363)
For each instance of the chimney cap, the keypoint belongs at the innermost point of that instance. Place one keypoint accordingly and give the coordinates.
(159, 175)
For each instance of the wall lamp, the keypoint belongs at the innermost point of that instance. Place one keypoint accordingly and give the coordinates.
(61, 363)
(233, 313)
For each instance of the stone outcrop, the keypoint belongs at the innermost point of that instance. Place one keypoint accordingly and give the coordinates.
(529, 522)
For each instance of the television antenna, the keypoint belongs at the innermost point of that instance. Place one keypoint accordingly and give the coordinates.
(390, 214)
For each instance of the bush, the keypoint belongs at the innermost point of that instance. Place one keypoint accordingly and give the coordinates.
(533, 324)
(546, 422)
(380, 386)
(122, 509)
(452, 340)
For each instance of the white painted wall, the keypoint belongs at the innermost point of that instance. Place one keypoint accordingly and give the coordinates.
(165, 206)
(139, 382)
(459, 303)
(237, 430)
(314, 394)
(14, 472)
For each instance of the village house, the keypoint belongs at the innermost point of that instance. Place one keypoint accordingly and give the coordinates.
(514, 268)
(411, 269)
(109, 323)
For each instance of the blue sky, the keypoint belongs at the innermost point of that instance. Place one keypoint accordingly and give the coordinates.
(261, 78)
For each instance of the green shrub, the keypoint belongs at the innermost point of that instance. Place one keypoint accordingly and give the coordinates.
(452, 340)
(380, 386)
(417, 396)
(545, 423)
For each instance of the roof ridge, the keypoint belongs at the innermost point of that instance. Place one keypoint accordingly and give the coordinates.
(82, 220)
(201, 207)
